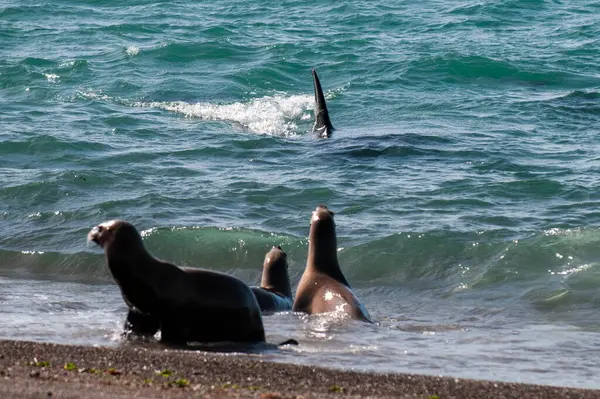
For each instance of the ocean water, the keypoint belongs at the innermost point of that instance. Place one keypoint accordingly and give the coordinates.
(464, 171)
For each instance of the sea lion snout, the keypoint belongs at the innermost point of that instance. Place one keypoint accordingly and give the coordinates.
(324, 209)
(321, 212)
(99, 233)
(94, 235)
(275, 256)
(278, 249)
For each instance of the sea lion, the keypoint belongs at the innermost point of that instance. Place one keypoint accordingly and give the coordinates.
(186, 304)
(322, 126)
(323, 287)
(275, 292)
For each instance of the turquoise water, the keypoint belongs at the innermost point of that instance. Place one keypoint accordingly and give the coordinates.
(464, 170)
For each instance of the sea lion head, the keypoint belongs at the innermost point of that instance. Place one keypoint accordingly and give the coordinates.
(322, 241)
(275, 272)
(115, 235)
(322, 225)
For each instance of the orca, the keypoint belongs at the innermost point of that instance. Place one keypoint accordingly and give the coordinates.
(322, 127)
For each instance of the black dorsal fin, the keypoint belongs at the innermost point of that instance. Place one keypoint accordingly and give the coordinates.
(322, 126)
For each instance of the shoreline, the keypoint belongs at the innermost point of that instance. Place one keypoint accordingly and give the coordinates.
(34, 370)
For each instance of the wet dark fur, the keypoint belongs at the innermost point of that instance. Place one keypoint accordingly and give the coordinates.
(275, 292)
(185, 304)
(323, 287)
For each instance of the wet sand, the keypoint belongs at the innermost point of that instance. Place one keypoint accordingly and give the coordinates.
(41, 370)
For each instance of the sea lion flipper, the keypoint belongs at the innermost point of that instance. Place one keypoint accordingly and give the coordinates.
(138, 323)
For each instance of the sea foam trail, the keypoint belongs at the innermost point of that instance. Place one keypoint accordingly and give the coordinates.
(276, 115)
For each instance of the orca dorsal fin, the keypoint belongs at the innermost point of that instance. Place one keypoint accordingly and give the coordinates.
(322, 126)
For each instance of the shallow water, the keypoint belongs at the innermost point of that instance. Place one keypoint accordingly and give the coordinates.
(463, 172)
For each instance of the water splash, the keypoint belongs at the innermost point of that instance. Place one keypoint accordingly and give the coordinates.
(272, 115)
(132, 51)
(52, 78)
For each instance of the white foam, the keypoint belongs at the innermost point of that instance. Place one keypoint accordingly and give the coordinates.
(52, 78)
(273, 115)
(460, 287)
(555, 231)
(68, 64)
(572, 270)
(132, 51)
(352, 348)
(148, 232)
(90, 94)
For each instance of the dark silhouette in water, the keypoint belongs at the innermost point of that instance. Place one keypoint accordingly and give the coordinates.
(274, 293)
(322, 126)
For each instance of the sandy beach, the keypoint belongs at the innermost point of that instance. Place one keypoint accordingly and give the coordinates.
(36, 370)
